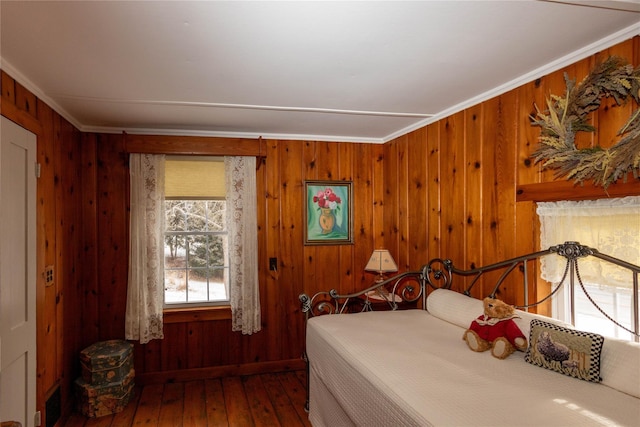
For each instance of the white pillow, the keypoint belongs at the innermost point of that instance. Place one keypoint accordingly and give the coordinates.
(620, 365)
(459, 309)
(524, 321)
(454, 307)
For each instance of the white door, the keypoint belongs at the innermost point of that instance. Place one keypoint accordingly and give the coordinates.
(17, 274)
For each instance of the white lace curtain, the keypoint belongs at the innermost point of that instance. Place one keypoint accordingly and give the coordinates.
(145, 294)
(612, 226)
(240, 179)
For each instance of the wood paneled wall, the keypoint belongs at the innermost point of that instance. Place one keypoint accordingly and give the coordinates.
(449, 189)
(202, 344)
(453, 187)
(60, 234)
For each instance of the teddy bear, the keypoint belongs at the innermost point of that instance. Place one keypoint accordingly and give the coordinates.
(496, 330)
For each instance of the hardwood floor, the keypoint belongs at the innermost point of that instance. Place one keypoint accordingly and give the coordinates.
(275, 399)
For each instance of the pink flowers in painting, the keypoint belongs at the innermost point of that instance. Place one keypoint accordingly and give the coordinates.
(327, 199)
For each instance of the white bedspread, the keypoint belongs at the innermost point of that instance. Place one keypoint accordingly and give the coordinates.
(409, 368)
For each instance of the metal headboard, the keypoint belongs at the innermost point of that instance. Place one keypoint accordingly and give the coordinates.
(406, 289)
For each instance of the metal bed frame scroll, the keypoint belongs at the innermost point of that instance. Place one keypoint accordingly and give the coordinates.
(406, 289)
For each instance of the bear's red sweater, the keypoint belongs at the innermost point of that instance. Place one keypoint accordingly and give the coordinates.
(489, 329)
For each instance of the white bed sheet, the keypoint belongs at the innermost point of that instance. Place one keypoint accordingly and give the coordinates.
(409, 368)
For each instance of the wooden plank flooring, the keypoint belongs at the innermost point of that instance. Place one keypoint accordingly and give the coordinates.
(275, 399)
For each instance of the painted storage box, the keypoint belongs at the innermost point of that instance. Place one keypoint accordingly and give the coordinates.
(106, 362)
(103, 399)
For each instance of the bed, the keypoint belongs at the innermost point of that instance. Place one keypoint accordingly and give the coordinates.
(410, 367)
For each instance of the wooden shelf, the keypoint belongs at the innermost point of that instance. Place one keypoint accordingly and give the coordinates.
(567, 190)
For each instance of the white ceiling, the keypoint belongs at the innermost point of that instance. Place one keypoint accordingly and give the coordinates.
(335, 71)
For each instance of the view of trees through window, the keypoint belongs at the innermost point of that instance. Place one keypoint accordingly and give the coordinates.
(195, 248)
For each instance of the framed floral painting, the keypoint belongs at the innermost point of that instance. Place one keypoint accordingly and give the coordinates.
(328, 207)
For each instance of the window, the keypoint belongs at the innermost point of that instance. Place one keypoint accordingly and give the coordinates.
(144, 317)
(613, 227)
(196, 267)
(615, 301)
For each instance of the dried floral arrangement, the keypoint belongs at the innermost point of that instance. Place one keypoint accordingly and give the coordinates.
(568, 115)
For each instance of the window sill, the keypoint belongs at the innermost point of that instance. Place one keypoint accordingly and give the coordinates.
(196, 314)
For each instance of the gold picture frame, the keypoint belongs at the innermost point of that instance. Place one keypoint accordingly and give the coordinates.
(328, 212)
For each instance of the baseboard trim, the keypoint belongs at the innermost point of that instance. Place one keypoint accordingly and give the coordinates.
(183, 375)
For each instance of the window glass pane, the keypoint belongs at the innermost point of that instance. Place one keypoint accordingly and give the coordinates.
(199, 251)
(217, 248)
(196, 215)
(175, 215)
(217, 287)
(197, 291)
(216, 215)
(175, 286)
(174, 251)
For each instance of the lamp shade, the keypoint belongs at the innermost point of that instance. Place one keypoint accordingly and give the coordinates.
(381, 261)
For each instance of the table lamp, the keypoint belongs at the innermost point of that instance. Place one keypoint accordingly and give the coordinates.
(381, 262)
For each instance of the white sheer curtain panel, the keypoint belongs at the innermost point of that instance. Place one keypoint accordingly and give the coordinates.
(244, 293)
(145, 293)
(612, 226)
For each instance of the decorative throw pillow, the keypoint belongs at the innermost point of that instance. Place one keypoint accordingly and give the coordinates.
(564, 350)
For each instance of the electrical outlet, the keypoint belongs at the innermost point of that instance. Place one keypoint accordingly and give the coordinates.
(273, 264)
(48, 275)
